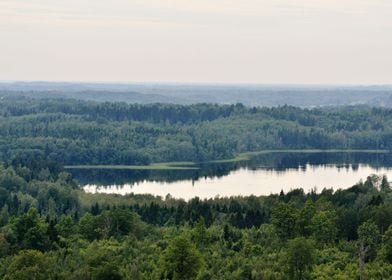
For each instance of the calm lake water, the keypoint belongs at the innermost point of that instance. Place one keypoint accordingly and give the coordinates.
(261, 175)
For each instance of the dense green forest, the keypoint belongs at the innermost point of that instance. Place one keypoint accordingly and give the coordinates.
(52, 229)
(83, 132)
(49, 229)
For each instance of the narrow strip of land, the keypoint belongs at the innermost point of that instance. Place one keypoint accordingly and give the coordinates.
(240, 157)
(249, 155)
(153, 166)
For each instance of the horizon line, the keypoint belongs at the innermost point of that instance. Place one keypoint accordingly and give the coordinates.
(178, 83)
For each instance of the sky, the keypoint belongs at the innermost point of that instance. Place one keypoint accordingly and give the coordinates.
(197, 41)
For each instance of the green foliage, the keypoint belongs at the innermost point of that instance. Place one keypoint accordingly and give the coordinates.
(89, 133)
(181, 260)
(388, 244)
(112, 223)
(49, 229)
(368, 234)
(65, 227)
(305, 217)
(31, 231)
(101, 259)
(300, 258)
(323, 225)
(200, 234)
(29, 265)
(369, 239)
(284, 218)
(4, 246)
(69, 234)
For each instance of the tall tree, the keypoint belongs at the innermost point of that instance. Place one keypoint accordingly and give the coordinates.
(181, 260)
(300, 258)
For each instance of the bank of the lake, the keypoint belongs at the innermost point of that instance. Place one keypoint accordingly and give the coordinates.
(238, 158)
(153, 166)
(262, 174)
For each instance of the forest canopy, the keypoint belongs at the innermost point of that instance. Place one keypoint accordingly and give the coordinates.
(84, 132)
(50, 229)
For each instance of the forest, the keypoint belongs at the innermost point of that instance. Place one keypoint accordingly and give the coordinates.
(77, 132)
(50, 229)
(195, 140)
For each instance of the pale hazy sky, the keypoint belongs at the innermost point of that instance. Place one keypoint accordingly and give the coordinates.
(257, 41)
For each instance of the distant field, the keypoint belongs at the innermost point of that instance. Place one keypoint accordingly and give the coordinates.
(248, 155)
(154, 166)
(238, 158)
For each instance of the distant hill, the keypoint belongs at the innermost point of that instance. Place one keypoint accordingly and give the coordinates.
(250, 95)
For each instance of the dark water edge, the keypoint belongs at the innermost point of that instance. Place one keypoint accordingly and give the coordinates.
(277, 162)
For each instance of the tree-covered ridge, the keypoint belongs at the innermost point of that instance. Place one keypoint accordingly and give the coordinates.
(78, 132)
(49, 229)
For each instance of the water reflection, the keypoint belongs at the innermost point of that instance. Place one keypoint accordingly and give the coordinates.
(261, 175)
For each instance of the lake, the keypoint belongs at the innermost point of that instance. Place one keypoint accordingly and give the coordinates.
(261, 175)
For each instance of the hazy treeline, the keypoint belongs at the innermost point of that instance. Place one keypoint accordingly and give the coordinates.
(250, 95)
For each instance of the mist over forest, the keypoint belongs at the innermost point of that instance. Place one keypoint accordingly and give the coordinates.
(249, 95)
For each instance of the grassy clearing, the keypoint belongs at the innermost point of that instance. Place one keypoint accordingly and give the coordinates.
(249, 155)
(240, 157)
(154, 166)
